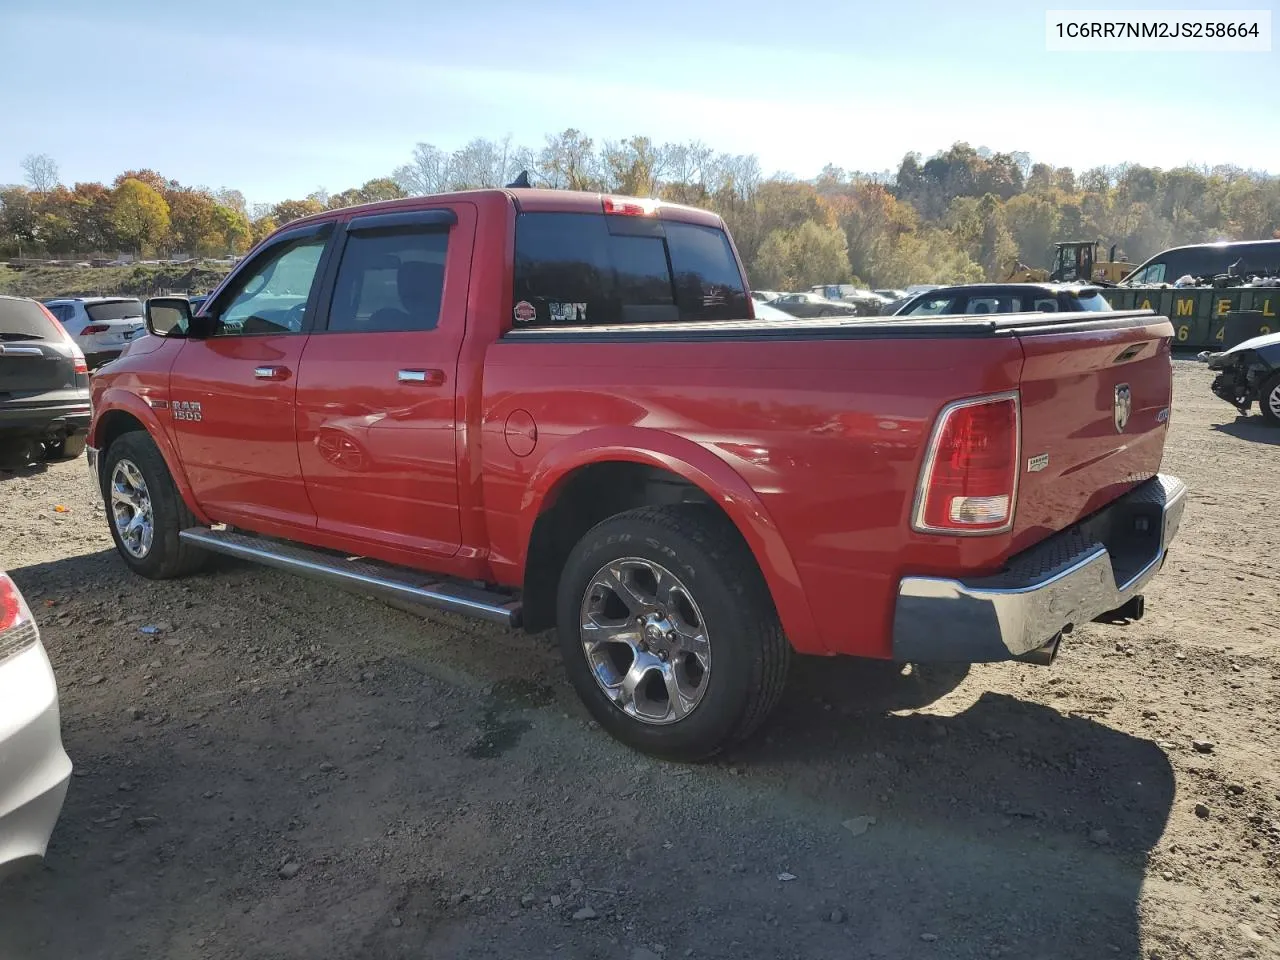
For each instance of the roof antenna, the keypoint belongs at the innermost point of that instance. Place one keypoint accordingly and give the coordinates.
(520, 181)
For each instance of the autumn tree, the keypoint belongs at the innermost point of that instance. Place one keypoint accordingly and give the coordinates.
(139, 214)
(799, 257)
(1034, 224)
(152, 179)
(287, 211)
(568, 162)
(427, 172)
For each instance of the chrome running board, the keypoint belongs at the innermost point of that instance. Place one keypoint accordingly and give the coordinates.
(362, 575)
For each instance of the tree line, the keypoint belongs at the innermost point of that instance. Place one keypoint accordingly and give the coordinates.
(962, 215)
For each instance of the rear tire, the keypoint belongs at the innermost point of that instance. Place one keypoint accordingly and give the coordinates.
(145, 511)
(682, 573)
(1269, 399)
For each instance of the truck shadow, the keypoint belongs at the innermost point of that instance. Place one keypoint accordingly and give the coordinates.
(1255, 429)
(1008, 808)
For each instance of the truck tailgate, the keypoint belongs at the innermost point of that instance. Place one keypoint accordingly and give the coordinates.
(1095, 410)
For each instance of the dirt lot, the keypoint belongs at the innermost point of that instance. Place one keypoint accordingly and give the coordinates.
(281, 770)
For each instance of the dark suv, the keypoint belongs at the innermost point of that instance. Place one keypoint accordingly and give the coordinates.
(44, 386)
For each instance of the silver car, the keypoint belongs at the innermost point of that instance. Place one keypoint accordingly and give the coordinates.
(34, 769)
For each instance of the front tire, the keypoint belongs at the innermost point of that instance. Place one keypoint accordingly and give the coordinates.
(668, 632)
(1269, 399)
(145, 511)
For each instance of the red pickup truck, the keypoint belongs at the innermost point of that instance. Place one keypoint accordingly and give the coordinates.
(556, 409)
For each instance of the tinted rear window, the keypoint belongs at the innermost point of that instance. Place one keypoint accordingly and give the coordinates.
(24, 320)
(113, 310)
(1093, 302)
(571, 268)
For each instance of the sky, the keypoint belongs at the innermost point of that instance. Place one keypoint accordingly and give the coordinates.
(278, 98)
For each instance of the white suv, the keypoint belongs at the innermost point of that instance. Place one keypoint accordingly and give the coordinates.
(102, 326)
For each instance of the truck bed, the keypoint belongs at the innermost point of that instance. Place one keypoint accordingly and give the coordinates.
(839, 328)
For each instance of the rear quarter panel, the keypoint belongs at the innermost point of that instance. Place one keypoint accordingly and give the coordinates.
(823, 437)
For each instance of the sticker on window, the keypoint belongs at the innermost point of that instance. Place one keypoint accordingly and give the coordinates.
(565, 312)
(524, 312)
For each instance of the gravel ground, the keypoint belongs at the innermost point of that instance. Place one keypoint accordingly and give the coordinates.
(282, 770)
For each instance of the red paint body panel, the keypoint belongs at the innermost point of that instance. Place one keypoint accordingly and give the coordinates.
(812, 446)
(378, 455)
(1068, 403)
(242, 456)
(137, 379)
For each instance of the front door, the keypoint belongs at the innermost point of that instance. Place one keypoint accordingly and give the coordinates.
(232, 392)
(375, 407)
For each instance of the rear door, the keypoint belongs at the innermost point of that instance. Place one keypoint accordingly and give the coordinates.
(376, 411)
(232, 393)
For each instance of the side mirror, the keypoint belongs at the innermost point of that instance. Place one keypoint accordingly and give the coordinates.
(168, 316)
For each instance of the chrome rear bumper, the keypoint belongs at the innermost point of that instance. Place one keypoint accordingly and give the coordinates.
(1071, 578)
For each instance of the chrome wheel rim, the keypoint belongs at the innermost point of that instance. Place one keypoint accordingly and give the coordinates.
(131, 510)
(645, 640)
(1273, 401)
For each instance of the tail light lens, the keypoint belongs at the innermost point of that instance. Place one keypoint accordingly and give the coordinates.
(94, 328)
(969, 481)
(17, 626)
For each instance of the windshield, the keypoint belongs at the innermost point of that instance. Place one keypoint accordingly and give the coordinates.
(113, 310)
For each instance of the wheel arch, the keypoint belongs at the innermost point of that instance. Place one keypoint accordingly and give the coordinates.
(122, 412)
(602, 473)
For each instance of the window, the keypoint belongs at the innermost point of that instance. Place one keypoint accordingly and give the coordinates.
(1263, 256)
(24, 320)
(271, 295)
(113, 310)
(1094, 303)
(932, 307)
(578, 268)
(1045, 305)
(984, 305)
(1151, 273)
(388, 281)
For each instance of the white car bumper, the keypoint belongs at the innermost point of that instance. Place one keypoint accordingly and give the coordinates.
(34, 768)
(111, 341)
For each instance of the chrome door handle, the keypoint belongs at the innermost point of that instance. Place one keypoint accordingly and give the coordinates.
(271, 373)
(432, 378)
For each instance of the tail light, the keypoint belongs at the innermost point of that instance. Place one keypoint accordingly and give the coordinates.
(630, 206)
(969, 481)
(94, 328)
(17, 626)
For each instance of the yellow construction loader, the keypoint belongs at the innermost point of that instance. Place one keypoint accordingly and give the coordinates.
(1074, 261)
